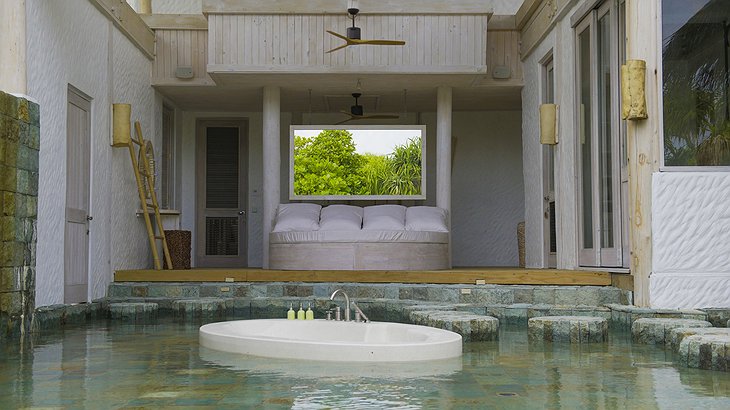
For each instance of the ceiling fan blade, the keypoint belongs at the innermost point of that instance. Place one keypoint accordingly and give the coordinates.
(381, 117)
(344, 121)
(337, 48)
(382, 42)
(338, 35)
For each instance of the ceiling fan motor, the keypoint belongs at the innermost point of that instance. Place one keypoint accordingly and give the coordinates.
(357, 108)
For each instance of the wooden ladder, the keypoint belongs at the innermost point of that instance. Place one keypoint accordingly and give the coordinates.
(146, 188)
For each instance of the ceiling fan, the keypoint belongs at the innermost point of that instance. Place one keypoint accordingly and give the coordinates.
(353, 33)
(356, 113)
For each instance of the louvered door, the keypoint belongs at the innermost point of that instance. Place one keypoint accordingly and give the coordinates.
(221, 194)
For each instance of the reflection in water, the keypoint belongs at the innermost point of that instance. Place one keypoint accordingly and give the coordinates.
(158, 366)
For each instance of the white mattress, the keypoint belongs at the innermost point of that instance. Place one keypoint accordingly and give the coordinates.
(358, 236)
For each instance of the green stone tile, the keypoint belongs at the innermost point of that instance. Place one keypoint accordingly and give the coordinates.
(9, 202)
(8, 104)
(8, 178)
(23, 181)
(23, 112)
(34, 112)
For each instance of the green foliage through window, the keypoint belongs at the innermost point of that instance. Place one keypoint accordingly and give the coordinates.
(328, 164)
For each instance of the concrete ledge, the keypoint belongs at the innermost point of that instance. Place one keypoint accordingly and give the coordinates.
(572, 329)
(657, 330)
(470, 326)
(133, 312)
(204, 308)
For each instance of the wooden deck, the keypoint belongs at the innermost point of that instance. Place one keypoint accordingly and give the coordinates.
(499, 276)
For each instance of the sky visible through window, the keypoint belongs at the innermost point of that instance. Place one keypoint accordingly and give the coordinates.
(379, 142)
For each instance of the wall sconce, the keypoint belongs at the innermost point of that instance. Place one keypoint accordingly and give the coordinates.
(633, 95)
(121, 118)
(549, 124)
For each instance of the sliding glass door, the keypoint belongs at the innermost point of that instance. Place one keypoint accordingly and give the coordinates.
(598, 52)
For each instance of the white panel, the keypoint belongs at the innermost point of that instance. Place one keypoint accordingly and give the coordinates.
(688, 291)
(691, 233)
(691, 222)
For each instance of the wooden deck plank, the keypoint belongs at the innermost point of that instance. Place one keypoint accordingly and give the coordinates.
(499, 276)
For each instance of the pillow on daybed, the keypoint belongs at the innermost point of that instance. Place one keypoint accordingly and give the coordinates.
(384, 217)
(426, 218)
(297, 217)
(341, 218)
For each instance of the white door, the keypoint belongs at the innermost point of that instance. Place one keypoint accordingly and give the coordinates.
(222, 176)
(76, 230)
(601, 235)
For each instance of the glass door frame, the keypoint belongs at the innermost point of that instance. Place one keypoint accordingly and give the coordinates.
(600, 255)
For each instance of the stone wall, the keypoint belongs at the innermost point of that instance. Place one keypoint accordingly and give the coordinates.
(19, 144)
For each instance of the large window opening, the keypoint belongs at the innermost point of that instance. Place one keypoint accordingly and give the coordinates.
(695, 48)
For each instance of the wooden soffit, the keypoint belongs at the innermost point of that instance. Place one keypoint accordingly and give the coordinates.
(339, 7)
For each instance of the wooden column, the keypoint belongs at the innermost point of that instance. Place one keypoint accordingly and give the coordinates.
(642, 19)
(145, 6)
(443, 152)
(12, 52)
(272, 161)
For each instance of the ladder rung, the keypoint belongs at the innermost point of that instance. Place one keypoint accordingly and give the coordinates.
(159, 237)
(153, 206)
(136, 141)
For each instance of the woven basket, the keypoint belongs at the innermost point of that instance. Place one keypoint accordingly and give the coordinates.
(521, 243)
(178, 242)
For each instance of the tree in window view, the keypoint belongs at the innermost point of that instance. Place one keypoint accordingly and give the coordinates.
(327, 164)
(696, 66)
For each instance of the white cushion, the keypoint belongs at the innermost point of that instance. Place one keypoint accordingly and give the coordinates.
(426, 218)
(384, 217)
(297, 217)
(341, 218)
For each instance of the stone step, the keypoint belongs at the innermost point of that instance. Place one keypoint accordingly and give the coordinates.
(133, 311)
(572, 329)
(678, 334)
(703, 348)
(471, 327)
(657, 330)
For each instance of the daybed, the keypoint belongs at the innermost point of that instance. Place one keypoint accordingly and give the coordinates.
(345, 237)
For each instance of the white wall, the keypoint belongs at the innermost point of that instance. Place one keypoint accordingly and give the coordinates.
(691, 240)
(69, 43)
(487, 191)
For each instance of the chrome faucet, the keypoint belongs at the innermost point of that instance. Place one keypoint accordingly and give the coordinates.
(347, 302)
(359, 315)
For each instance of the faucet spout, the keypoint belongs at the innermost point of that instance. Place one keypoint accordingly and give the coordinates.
(347, 302)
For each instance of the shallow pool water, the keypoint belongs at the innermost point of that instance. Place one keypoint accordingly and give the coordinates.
(98, 366)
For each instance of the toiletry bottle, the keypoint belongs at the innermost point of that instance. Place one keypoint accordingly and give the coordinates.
(300, 313)
(290, 314)
(310, 312)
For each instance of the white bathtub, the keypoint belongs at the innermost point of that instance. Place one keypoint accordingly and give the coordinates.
(331, 340)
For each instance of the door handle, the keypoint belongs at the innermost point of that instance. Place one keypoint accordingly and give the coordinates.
(242, 213)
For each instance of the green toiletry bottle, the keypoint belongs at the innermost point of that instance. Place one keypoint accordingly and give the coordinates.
(300, 313)
(310, 312)
(290, 313)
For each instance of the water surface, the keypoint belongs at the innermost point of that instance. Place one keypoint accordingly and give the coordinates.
(124, 366)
